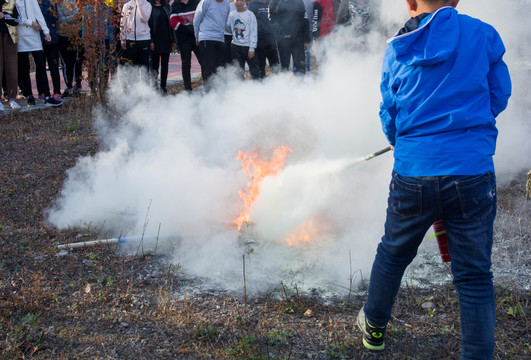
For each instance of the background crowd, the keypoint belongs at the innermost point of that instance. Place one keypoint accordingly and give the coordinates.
(98, 35)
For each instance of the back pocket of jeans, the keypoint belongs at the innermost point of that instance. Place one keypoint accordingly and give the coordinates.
(477, 197)
(405, 198)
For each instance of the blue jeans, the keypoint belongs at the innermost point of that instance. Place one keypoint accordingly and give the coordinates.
(467, 205)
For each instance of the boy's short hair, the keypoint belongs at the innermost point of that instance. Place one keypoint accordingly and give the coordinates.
(435, 1)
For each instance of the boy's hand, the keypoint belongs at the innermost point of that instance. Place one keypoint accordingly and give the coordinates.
(36, 26)
(250, 54)
(1, 15)
(152, 47)
(47, 38)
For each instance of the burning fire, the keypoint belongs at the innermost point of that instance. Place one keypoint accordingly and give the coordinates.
(256, 169)
(303, 235)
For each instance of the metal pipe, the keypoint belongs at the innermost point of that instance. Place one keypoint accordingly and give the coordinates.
(377, 153)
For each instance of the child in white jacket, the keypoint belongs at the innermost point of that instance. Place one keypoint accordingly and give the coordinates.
(31, 23)
(242, 23)
(135, 34)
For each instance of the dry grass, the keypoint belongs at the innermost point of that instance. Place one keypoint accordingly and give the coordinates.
(97, 304)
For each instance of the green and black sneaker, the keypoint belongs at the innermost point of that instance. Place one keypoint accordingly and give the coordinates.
(373, 337)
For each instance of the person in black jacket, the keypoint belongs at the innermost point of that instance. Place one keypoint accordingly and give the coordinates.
(9, 18)
(267, 44)
(181, 19)
(293, 32)
(162, 40)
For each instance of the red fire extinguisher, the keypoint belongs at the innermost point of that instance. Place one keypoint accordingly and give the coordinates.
(442, 240)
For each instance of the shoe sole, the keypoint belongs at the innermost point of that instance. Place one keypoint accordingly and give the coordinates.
(365, 342)
(54, 105)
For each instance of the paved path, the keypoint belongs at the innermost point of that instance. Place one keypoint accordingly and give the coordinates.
(174, 76)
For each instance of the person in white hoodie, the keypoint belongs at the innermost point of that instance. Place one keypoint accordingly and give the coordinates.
(31, 23)
(242, 23)
(135, 34)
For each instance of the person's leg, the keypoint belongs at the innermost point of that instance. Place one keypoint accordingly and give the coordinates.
(238, 57)
(227, 50)
(51, 53)
(470, 235)
(297, 51)
(260, 56)
(410, 213)
(272, 56)
(186, 63)
(3, 55)
(143, 54)
(254, 69)
(78, 67)
(220, 54)
(208, 63)
(154, 71)
(164, 64)
(308, 55)
(68, 59)
(24, 79)
(284, 54)
(10, 68)
(41, 77)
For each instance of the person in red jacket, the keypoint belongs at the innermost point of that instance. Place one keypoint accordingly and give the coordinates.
(324, 18)
(181, 20)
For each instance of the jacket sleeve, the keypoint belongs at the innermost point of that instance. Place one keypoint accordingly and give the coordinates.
(316, 19)
(498, 76)
(253, 33)
(388, 110)
(40, 18)
(12, 19)
(305, 24)
(198, 18)
(144, 10)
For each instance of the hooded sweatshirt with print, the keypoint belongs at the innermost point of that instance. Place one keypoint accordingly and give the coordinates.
(135, 18)
(443, 83)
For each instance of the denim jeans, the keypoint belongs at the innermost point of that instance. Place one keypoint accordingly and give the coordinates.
(467, 205)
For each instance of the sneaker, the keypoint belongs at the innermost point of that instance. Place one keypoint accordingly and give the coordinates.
(50, 101)
(57, 97)
(31, 101)
(68, 92)
(14, 104)
(42, 97)
(373, 337)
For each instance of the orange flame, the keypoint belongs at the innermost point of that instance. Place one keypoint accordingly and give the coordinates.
(304, 234)
(256, 169)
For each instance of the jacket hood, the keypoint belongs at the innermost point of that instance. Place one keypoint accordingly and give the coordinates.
(432, 42)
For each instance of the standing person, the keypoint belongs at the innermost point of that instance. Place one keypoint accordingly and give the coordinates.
(162, 40)
(267, 45)
(32, 22)
(444, 82)
(182, 19)
(209, 28)
(308, 6)
(51, 48)
(67, 29)
(293, 32)
(244, 31)
(228, 37)
(135, 34)
(9, 18)
(324, 18)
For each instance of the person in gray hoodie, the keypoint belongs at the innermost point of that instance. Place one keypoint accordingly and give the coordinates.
(209, 28)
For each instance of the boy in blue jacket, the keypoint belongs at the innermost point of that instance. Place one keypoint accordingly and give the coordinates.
(443, 84)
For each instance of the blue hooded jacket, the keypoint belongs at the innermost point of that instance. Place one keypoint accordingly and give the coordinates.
(442, 86)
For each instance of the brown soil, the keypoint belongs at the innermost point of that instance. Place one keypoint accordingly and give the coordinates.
(97, 304)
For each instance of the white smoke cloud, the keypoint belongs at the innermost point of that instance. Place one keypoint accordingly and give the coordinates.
(171, 161)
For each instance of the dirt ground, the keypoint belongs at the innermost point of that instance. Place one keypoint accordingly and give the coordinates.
(97, 304)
